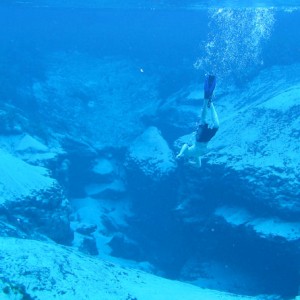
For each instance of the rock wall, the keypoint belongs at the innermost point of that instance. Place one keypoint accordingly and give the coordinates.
(32, 202)
(249, 178)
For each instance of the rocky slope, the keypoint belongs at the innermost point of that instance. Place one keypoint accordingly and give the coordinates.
(47, 271)
(32, 202)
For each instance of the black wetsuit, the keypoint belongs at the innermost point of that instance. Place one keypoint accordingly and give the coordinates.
(205, 134)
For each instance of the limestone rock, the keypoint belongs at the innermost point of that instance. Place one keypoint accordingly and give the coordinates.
(100, 100)
(151, 153)
(32, 201)
(37, 270)
(258, 140)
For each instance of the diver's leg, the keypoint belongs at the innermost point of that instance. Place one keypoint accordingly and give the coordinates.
(214, 116)
(204, 111)
(209, 86)
(182, 151)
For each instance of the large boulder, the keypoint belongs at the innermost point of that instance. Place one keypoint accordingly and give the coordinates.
(151, 154)
(32, 203)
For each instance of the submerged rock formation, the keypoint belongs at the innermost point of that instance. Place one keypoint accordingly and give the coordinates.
(32, 203)
(151, 154)
(254, 156)
(249, 178)
(47, 271)
(258, 140)
(230, 225)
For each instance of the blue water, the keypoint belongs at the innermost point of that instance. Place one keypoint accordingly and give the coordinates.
(173, 38)
(176, 42)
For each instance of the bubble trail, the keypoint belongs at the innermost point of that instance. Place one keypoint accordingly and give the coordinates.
(235, 40)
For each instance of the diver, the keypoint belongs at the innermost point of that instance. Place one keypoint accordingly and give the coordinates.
(206, 130)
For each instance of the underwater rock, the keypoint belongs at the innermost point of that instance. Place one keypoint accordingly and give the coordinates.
(113, 190)
(265, 227)
(19, 179)
(29, 144)
(30, 149)
(125, 248)
(38, 270)
(32, 201)
(263, 149)
(103, 167)
(152, 155)
(102, 101)
(88, 246)
(12, 120)
(248, 185)
(86, 229)
(108, 217)
(217, 275)
(181, 110)
(255, 153)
